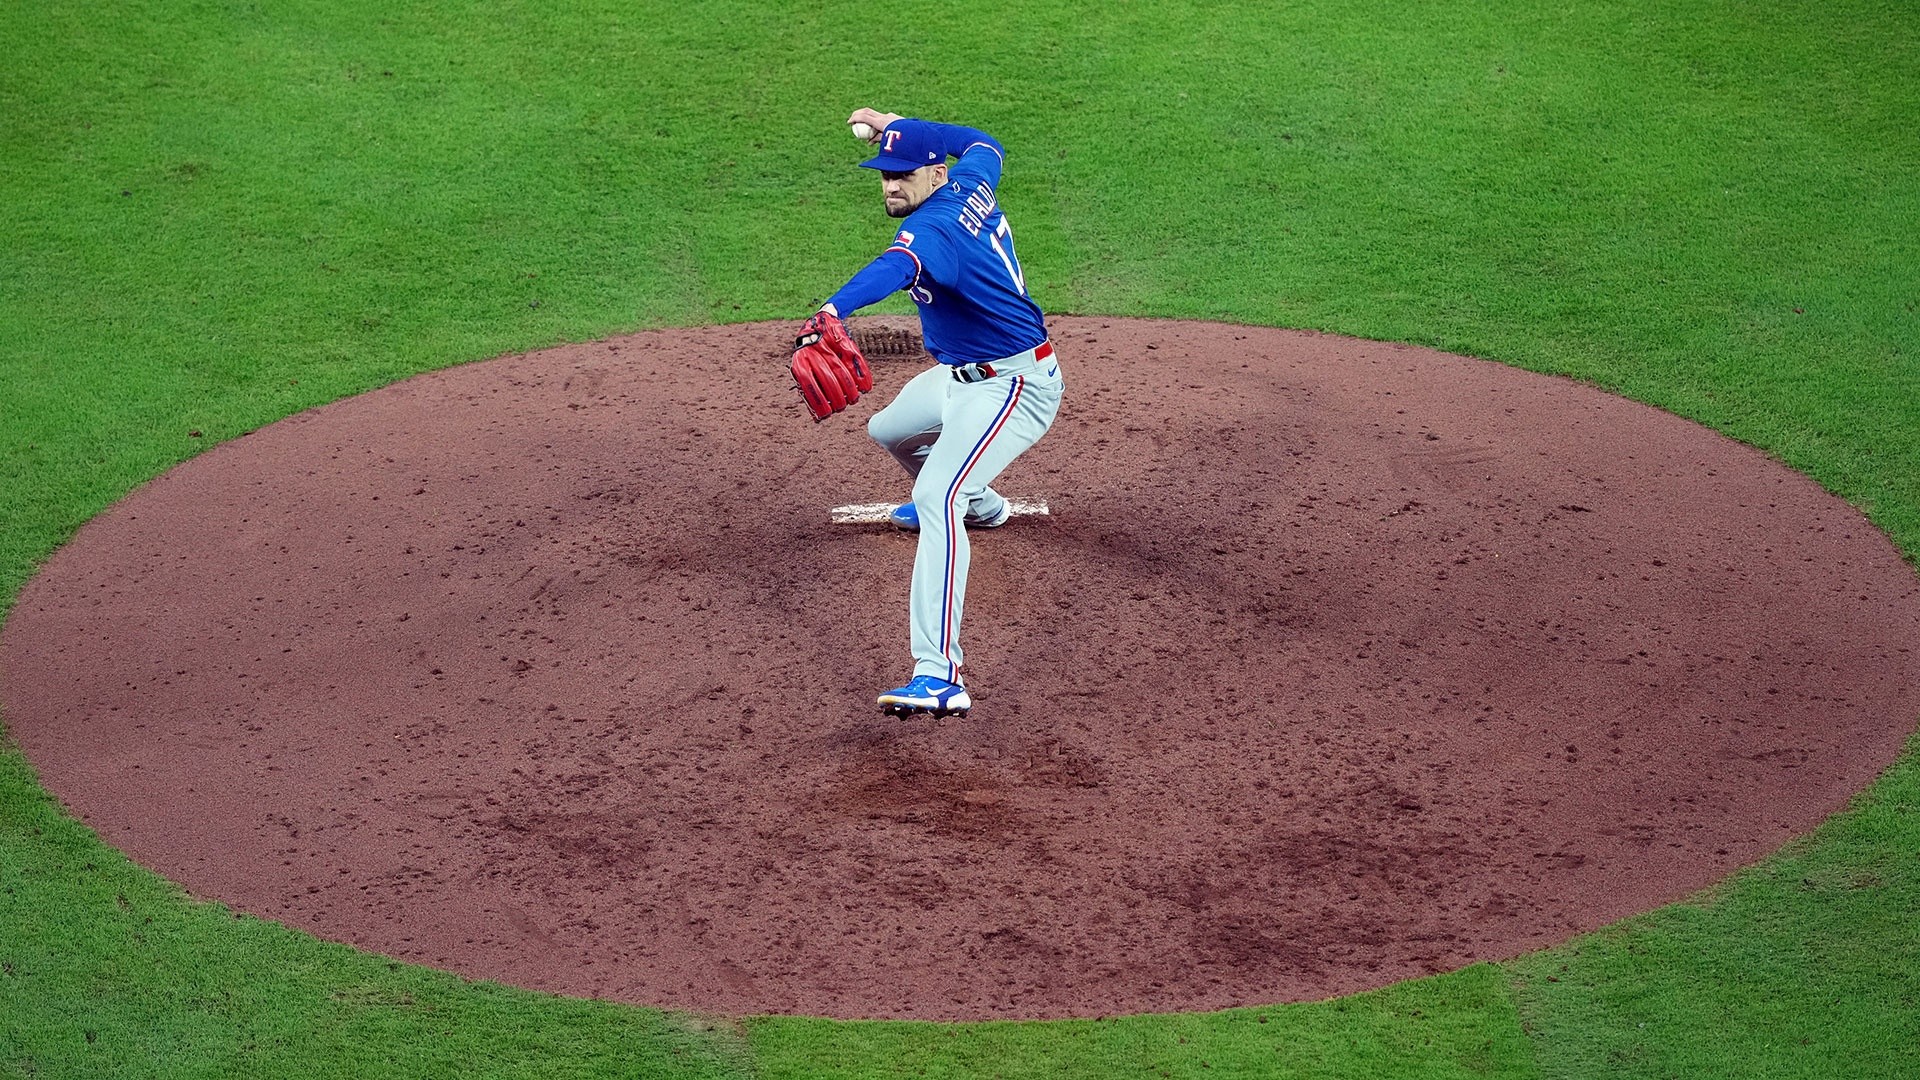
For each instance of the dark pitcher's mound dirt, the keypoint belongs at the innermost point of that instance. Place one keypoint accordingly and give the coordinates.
(1337, 663)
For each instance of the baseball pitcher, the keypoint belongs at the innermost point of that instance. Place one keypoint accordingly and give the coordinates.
(994, 391)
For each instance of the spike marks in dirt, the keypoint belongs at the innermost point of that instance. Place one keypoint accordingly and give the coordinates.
(888, 343)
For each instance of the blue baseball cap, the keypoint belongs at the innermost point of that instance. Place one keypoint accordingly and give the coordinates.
(907, 145)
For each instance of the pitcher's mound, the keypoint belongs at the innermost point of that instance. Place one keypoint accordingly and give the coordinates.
(1333, 663)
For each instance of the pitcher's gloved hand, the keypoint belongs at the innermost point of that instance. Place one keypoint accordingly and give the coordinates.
(828, 367)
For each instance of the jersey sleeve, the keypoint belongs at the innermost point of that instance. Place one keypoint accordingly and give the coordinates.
(889, 272)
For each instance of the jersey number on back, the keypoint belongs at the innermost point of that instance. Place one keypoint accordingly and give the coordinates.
(1005, 231)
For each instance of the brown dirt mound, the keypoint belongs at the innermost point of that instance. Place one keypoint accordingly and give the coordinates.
(1338, 663)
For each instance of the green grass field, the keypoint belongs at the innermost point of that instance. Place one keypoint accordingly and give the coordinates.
(219, 213)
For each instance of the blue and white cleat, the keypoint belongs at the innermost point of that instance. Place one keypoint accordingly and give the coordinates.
(926, 694)
(906, 517)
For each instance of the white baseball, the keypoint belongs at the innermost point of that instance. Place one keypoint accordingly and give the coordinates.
(863, 131)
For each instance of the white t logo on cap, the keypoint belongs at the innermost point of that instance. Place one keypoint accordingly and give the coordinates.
(892, 137)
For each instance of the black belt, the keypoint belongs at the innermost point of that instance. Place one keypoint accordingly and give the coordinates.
(971, 373)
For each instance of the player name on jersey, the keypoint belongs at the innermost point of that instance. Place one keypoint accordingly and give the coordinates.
(978, 207)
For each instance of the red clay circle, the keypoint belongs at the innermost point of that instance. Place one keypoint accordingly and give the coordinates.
(1337, 663)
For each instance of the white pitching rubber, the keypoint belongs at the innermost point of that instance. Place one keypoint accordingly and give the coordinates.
(876, 513)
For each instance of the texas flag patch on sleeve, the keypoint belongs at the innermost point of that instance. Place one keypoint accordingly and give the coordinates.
(905, 239)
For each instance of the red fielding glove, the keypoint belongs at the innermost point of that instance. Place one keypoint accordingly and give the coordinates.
(834, 333)
(828, 367)
(826, 384)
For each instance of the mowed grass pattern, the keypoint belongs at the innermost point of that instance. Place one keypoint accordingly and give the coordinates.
(217, 214)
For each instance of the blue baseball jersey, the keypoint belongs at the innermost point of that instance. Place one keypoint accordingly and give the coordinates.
(954, 255)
